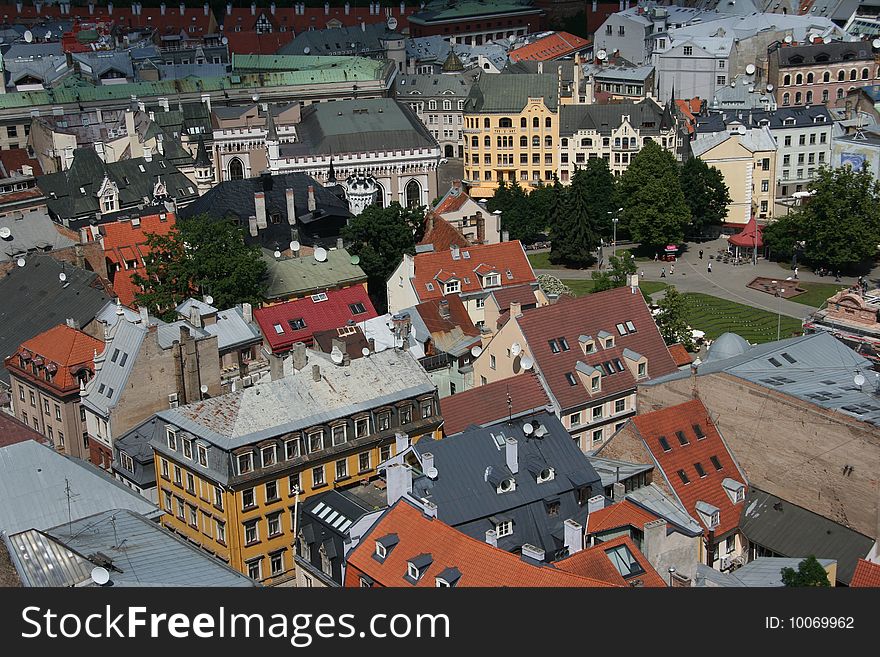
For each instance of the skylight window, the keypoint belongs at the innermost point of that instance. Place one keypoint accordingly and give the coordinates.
(618, 365)
(683, 476)
(699, 468)
(787, 356)
(682, 438)
(509, 275)
(297, 324)
(774, 362)
(715, 462)
(570, 378)
(357, 308)
(563, 343)
(278, 329)
(698, 432)
(621, 329)
(631, 327)
(553, 346)
(665, 444)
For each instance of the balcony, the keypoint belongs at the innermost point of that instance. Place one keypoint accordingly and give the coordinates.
(436, 362)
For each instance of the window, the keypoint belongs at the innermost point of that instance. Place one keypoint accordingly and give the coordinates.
(643, 369)
(203, 455)
(721, 80)
(665, 444)
(698, 431)
(504, 528)
(597, 412)
(688, 51)
(620, 405)
(492, 361)
(339, 434)
(190, 483)
(427, 409)
(715, 462)
(570, 378)
(297, 324)
(181, 509)
(624, 561)
(193, 517)
(218, 497)
(187, 448)
(274, 524)
(563, 344)
(293, 484)
(341, 469)
(127, 461)
(247, 499)
(245, 463)
(164, 465)
(595, 383)
(357, 308)
(178, 476)
(575, 419)
(171, 435)
(700, 471)
(765, 186)
(166, 501)
(318, 476)
(683, 476)
(363, 461)
(453, 287)
(316, 441)
(276, 564)
(598, 436)
(255, 569)
(554, 347)
(57, 412)
(682, 439)
(272, 491)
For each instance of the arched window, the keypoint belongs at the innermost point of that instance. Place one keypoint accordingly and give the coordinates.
(825, 96)
(548, 142)
(853, 74)
(865, 74)
(487, 141)
(505, 123)
(617, 142)
(523, 123)
(380, 196)
(810, 78)
(447, 105)
(809, 98)
(826, 76)
(236, 169)
(486, 122)
(548, 122)
(524, 142)
(841, 75)
(413, 194)
(536, 122)
(786, 80)
(786, 99)
(536, 141)
(839, 93)
(798, 97)
(798, 79)
(565, 142)
(475, 142)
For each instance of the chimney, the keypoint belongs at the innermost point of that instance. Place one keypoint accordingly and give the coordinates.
(595, 503)
(363, 27)
(206, 8)
(573, 536)
(505, 236)
(654, 540)
(515, 309)
(455, 252)
(148, 155)
(532, 552)
(109, 8)
(247, 312)
(145, 315)
(510, 455)
(429, 508)
(312, 204)
(162, 9)
(326, 8)
(339, 243)
(272, 8)
(618, 492)
(182, 8)
(316, 372)
(336, 343)
(401, 442)
(276, 367)
(428, 464)
(291, 206)
(492, 538)
(300, 357)
(402, 8)
(72, 323)
(228, 8)
(540, 68)
(253, 9)
(260, 209)
(347, 8)
(252, 226)
(481, 228)
(443, 309)
(195, 318)
(398, 478)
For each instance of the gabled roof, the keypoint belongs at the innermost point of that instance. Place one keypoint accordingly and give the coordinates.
(621, 514)
(511, 93)
(588, 315)
(479, 564)
(452, 334)
(68, 349)
(680, 355)
(501, 257)
(703, 489)
(595, 562)
(13, 430)
(867, 574)
(554, 46)
(646, 116)
(117, 361)
(485, 405)
(441, 234)
(321, 312)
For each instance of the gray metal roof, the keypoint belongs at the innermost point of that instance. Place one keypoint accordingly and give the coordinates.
(363, 39)
(33, 488)
(762, 572)
(34, 300)
(790, 530)
(646, 116)
(655, 500)
(297, 401)
(612, 470)
(42, 561)
(104, 390)
(469, 462)
(231, 329)
(141, 553)
(453, 85)
(186, 307)
(297, 276)
(31, 231)
(136, 443)
(168, 333)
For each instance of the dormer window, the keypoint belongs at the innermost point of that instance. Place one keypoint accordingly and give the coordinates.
(452, 287)
(381, 550)
(507, 485)
(491, 280)
(245, 463)
(417, 566)
(715, 520)
(596, 383)
(267, 455)
(171, 436)
(547, 474)
(412, 571)
(736, 491)
(643, 370)
(503, 528)
(384, 546)
(609, 343)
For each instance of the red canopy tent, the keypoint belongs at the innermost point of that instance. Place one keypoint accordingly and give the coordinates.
(750, 237)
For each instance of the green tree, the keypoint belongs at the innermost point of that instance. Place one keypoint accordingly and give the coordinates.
(200, 255)
(380, 237)
(809, 573)
(540, 201)
(601, 194)
(516, 217)
(654, 210)
(616, 276)
(705, 193)
(838, 221)
(672, 319)
(576, 233)
(781, 236)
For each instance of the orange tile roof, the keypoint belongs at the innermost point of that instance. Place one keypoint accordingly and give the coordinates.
(594, 563)
(13, 430)
(69, 349)
(480, 564)
(429, 311)
(555, 46)
(14, 159)
(680, 355)
(124, 242)
(442, 234)
(867, 575)
(622, 514)
(503, 257)
(486, 404)
(706, 488)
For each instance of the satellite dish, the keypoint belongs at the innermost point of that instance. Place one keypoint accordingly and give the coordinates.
(876, 43)
(515, 349)
(306, 50)
(255, 97)
(750, 69)
(100, 576)
(769, 87)
(5, 233)
(859, 379)
(336, 356)
(355, 259)
(431, 472)
(826, 39)
(203, 388)
(602, 55)
(224, 40)
(541, 431)
(354, 45)
(392, 23)
(294, 246)
(28, 36)
(62, 277)
(321, 254)
(733, 83)
(365, 351)
(476, 350)
(209, 299)
(527, 362)
(20, 262)
(277, 254)
(48, 34)
(788, 39)
(528, 428)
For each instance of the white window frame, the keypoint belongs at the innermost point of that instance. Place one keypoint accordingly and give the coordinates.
(575, 419)
(412, 571)
(188, 448)
(504, 528)
(452, 287)
(253, 494)
(311, 435)
(296, 450)
(273, 459)
(381, 550)
(171, 438)
(333, 430)
(127, 461)
(165, 471)
(369, 457)
(250, 463)
(344, 474)
(255, 525)
(358, 423)
(315, 482)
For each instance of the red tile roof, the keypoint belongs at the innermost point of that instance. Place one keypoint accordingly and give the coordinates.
(442, 235)
(125, 243)
(524, 294)
(595, 563)
(314, 17)
(331, 313)
(555, 46)
(69, 349)
(255, 43)
(680, 355)
(487, 404)
(689, 109)
(622, 514)
(867, 574)
(588, 315)
(431, 268)
(429, 311)
(14, 431)
(15, 158)
(706, 488)
(480, 564)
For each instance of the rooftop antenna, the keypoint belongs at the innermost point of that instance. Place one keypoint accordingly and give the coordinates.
(509, 406)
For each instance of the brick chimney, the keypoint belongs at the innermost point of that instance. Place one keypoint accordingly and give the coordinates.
(443, 309)
(492, 537)
(260, 209)
(532, 552)
(481, 227)
(291, 206)
(316, 372)
(312, 204)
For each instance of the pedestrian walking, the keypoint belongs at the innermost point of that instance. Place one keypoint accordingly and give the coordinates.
(709, 267)
(656, 257)
(795, 273)
(672, 269)
(663, 272)
(837, 276)
(701, 254)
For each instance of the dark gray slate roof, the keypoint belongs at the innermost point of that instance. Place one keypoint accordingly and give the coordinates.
(354, 40)
(34, 231)
(792, 531)
(136, 443)
(511, 93)
(358, 126)
(470, 503)
(836, 51)
(605, 118)
(34, 300)
(780, 119)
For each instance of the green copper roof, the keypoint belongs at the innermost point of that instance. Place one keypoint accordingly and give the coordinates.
(333, 69)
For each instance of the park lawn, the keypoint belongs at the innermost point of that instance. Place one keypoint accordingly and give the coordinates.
(716, 316)
(581, 287)
(541, 260)
(817, 293)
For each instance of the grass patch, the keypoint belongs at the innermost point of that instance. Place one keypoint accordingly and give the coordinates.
(580, 287)
(650, 287)
(716, 316)
(816, 293)
(541, 260)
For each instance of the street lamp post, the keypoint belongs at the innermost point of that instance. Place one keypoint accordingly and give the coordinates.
(779, 294)
(614, 219)
(671, 573)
